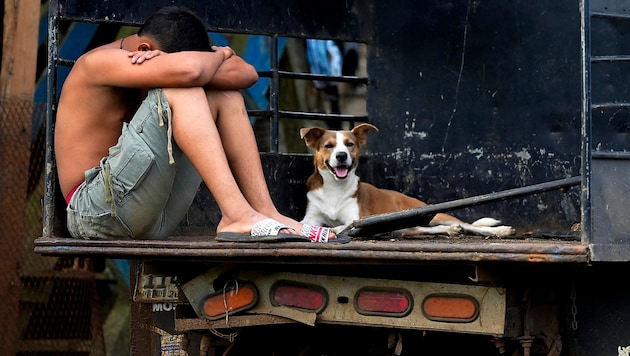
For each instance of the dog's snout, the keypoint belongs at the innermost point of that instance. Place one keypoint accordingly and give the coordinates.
(341, 156)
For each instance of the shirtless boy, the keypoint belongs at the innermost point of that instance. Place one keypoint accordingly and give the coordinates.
(141, 121)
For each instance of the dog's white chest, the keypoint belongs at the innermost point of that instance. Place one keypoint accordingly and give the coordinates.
(333, 204)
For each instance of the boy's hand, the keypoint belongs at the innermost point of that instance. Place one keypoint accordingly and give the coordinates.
(227, 51)
(137, 57)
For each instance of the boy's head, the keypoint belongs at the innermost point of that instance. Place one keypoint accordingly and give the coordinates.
(175, 29)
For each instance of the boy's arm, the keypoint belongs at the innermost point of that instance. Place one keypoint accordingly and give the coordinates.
(233, 73)
(113, 67)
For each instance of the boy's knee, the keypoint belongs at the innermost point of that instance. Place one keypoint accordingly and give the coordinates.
(224, 97)
(174, 94)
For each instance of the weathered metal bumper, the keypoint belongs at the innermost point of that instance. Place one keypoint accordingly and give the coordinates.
(468, 249)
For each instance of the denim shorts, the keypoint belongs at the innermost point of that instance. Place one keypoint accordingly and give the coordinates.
(143, 188)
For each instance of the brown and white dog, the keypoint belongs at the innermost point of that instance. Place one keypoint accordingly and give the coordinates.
(336, 196)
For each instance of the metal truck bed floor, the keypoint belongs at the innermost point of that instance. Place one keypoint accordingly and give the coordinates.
(364, 251)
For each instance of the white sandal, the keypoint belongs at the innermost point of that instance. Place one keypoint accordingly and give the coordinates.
(266, 230)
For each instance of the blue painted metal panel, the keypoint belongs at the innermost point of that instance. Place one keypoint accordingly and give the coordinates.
(72, 46)
(257, 54)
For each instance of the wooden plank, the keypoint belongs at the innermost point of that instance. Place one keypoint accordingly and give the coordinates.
(19, 53)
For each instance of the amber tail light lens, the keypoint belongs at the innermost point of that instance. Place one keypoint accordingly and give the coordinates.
(453, 308)
(230, 301)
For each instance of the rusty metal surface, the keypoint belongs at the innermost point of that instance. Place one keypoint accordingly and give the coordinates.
(422, 215)
(235, 321)
(365, 251)
(344, 20)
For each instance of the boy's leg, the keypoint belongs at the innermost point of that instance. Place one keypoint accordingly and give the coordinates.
(243, 156)
(240, 148)
(196, 134)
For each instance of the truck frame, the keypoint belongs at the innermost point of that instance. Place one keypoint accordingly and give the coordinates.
(516, 110)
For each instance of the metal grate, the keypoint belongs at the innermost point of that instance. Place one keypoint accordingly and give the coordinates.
(50, 304)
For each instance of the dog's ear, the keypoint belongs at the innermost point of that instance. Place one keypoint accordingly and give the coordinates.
(361, 132)
(311, 135)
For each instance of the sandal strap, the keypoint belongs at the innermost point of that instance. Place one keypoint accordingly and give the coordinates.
(316, 233)
(268, 227)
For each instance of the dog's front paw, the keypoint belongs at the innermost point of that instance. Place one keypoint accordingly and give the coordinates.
(453, 230)
(501, 231)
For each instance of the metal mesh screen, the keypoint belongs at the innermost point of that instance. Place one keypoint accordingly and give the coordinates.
(50, 305)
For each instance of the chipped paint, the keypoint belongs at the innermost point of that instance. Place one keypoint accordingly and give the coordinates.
(421, 135)
(478, 152)
(523, 155)
(524, 163)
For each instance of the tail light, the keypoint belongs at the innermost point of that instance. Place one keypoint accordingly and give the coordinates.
(229, 301)
(454, 308)
(302, 296)
(383, 302)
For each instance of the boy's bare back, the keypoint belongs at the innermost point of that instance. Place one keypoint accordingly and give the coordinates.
(89, 121)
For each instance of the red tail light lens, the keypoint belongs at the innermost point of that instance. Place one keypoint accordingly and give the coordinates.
(453, 308)
(302, 296)
(383, 302)
(230, 301)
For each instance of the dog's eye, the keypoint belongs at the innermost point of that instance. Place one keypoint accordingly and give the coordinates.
(329, 146)
(349, 144)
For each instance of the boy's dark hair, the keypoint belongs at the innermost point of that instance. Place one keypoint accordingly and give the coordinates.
(175, 29)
